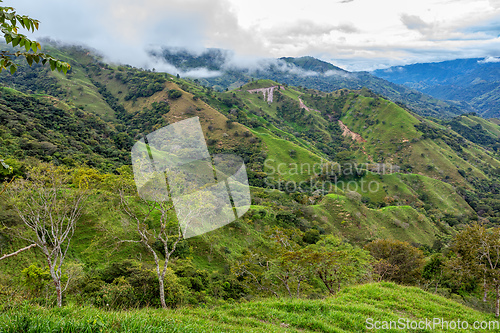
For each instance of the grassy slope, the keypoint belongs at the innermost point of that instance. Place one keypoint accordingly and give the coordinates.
(373, 222)
(77, 85)
(394, 139)
(492, 128)
(347, 312)
(259, 84)
(407, 188)
(358, 223)
(280, 165)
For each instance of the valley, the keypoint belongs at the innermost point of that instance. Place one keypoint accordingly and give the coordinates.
(334, 164)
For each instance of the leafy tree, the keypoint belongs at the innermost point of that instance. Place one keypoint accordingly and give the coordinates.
(478, 256)
(174, 93)
(288, 268)
(10, 22)
(35, 279)
(252, 268)
(434, 269)
(281, 266)
(336, 263)
(398, 261)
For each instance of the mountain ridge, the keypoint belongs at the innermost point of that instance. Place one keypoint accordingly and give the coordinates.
(312, 73)
(472, 81)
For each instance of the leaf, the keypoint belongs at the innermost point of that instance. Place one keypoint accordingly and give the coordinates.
(52, 64)
(29, 59)
(26, 22)
(16, 41)
(13, 69)
(34, 46)
(27, 44)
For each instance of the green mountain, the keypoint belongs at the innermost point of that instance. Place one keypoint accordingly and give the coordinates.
(312, 64)
(474, 82)
(307, 72)
(299, 126)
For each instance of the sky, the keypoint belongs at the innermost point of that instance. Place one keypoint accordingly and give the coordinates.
(352, 34)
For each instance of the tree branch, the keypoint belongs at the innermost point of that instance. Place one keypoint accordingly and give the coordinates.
(17, 252)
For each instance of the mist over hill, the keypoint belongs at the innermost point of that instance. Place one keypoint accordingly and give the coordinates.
(224, 71)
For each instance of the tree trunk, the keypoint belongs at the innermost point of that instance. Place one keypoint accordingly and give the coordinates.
(55, 278)
(497, 303)
(485, 295)
(57, 282)
(288, 289)
(162, 293)
(285, 282)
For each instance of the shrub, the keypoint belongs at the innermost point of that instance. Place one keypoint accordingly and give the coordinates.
(174, 94)
(396, 261)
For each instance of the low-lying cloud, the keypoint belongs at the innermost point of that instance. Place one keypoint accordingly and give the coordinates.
(357, 35)
(489, 60)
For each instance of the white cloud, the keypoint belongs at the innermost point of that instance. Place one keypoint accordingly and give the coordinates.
(489, 60)
(361, 34)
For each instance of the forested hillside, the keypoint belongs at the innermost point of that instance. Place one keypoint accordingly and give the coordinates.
(347, 187)
(305, 72)
(474, 82)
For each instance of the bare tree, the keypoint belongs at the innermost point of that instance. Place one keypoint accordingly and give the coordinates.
(49, 210)
(155, 224)
(148, 236)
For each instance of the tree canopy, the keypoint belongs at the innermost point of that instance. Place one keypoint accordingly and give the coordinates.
(10, 23)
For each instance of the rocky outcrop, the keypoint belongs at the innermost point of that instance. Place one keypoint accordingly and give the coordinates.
(347, 132)
(267, 92)
(303, 106)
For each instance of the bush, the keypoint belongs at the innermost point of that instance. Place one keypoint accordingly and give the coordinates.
(174, 94)
(311, 236)
(396, 261)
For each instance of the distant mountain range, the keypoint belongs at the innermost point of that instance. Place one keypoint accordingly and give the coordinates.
(306, 72)
(475, 82)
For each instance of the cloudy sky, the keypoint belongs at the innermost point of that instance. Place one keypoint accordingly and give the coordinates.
(353, 34)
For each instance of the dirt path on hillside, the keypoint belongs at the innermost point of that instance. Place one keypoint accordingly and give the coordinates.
(347, 132)
(302, 105)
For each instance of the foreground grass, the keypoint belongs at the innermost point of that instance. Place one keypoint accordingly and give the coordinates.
(345, 313)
